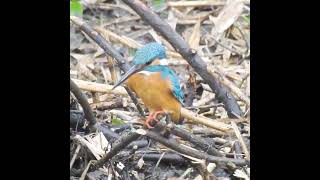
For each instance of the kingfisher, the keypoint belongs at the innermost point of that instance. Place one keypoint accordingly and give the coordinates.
(155, 83)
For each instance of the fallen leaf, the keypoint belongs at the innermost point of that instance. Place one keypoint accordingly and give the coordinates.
(140, 163)
(195, 36)
(117, 121)
(172, 20)
(228, 15)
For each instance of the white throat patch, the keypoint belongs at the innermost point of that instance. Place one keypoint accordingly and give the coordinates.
(164, 62)
(147, 73)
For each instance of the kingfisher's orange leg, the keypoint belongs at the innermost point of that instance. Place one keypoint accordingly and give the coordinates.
(152, 116)
(148, 120)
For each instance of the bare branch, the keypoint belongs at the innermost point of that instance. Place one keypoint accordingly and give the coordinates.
(196, 140)
(123, 142)
(84, 103)
(172, 144)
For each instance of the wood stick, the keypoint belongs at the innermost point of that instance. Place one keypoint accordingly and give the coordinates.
(234, 89)
(206, 97)
(98, 87)
(129, 41)
(103, 98)
(168, 158)
(75, 155)
(85, 105)
(123, 142)
(243, 145)
(196, 140)
(187, 53)
(195, 3)
(191, 21)
(228, 120)
(237, 150)
(102, 106)
(172, 144)
(84, 173)
(191, 116)
(208, 131)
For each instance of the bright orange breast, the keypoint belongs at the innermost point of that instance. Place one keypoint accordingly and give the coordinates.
(156, 93)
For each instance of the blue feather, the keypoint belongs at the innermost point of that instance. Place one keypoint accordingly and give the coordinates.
(149, 52)
(167, 72)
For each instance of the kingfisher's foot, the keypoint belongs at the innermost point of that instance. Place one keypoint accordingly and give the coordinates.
(153, 117)
(148, 120)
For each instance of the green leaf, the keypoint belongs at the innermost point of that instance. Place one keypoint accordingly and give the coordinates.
(247, 18)
(76, 8)
(117, 121)
(158, 5)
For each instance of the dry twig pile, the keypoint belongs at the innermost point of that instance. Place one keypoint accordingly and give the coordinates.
(208, 44)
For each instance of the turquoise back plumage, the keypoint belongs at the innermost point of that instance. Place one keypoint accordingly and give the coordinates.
(149, 52)
(165, 73)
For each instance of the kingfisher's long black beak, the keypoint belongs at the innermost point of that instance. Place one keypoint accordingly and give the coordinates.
(134, 69)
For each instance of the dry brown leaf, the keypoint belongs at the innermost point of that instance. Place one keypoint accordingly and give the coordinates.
(82, 58)
(85, 71)
(228, 15)
(172, 20)
(140, 163)
(195, 3)
(195, 36)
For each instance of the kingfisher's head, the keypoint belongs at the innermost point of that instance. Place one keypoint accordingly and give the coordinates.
(149, 55)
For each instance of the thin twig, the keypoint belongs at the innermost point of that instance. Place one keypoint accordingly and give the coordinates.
(196, 140)
(172, 158)
(75, 155)
(84, 173)
(237, 150)
(129, 42)
(195, 3)
(244, 38)
(204, 120)
(123, 142)
(234, 51)
(243, 145)
(172, 144)
(158, 162)
(98, 87)
(82, 99)
(234, 89)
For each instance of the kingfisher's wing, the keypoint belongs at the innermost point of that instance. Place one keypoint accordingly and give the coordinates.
(176, 90)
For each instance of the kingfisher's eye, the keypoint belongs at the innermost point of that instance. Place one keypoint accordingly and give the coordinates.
(148, 63)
